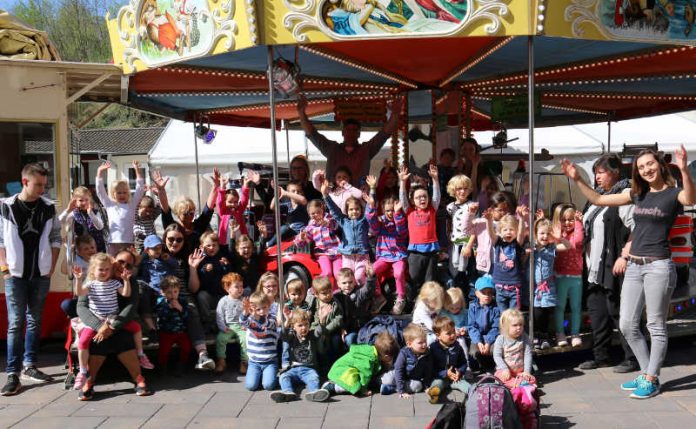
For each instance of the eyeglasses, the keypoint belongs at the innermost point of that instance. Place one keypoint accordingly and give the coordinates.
(191, 213)
(175, 239)
(125, 264)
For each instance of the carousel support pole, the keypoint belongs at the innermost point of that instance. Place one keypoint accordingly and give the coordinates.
(433, 131)
(609, 134)
(198, 175)
(532, 202)
(287, 140)
(276, 194)
(467, 116)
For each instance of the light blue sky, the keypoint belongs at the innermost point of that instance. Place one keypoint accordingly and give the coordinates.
(7, 4)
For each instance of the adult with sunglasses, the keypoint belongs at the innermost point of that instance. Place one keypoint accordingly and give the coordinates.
(174, 244)
(185, 210)
(110, 338)
(650, 276)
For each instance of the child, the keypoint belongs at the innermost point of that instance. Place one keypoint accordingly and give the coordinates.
(229, 309)
(327, 322)
(568, 269)
(172, 312)
(295, 206)
(430, 301)
(262, 342)
(85, 248)
(354, 371)
(302, 349)
(455, 310)
(342, 189)
(322, 232)
(153, 268)
(507, 258)
(462, 211)
(413, 367)
(120, 207)
(148, 211)
(355, 245)
(355, 302)
(247, 259)
(545, 286)
(449, 360)
(231, 206)
(268, 285)
(296, 295)
(423, 245)
(484, 319)
(392, 239)
(103, 291)
(512, 351)
(86, 219)
(211, 269)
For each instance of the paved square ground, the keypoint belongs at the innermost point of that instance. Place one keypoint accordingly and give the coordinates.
(199, 400)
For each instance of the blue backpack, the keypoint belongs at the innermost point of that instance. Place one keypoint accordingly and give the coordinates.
(369, 332)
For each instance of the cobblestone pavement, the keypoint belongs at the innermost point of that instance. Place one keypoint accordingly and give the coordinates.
(198, 400)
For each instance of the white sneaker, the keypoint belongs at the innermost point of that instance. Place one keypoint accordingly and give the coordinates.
(398, 307)
(576, 341)
(562, 340)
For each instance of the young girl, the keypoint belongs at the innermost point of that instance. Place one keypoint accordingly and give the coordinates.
(455, 309)
(294, 204)
(512, 351)
(86, 219)
(268, 285)
(507, 257)
(231, 206)
(211, 269)
(462, 211)
(392, 239)
(103, 290)
(246, 258)
(545, 295)
(342, 189)
(568, 268)
(430, 301)
(322, 231)
(120, 207)
(355, 244)
(423, 245)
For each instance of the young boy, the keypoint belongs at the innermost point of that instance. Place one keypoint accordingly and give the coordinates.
(294, 204)
(296, 294)
(262, 342)
(172, 313)
(354, 371)
(327, 322)
(484, 321)
(413, 368)
(354, 301)
(85, 248)
(302, 348)
(449, 360)
(153, 268)
(228, 312)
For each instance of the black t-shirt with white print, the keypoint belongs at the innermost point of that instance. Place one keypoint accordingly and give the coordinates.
(654, 215)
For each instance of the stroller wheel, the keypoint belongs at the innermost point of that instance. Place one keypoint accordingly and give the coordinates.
(69, 381)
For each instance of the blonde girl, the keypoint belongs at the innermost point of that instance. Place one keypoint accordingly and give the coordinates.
(455, 309)
(462, 211)
(268, 284)
(85, 217)
(568, 268)
(321, 230)
(512, 351)
(431, 300)
(120, 207)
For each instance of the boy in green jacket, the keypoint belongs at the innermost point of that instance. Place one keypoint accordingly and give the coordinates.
(353, 372)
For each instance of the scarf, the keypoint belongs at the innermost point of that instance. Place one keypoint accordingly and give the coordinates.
(595, 210)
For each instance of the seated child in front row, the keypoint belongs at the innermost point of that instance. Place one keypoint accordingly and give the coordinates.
(512, 351)
(456, 310)
(413, 368)
(229, 310)
(262, 342)
(354, 371)
(484, 319)
(327, 322)
(302, 351)
(172, 314)
(296, 294)
(430, 301)
(449, 360)
(355, 301)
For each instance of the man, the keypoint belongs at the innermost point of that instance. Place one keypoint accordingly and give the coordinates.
(29, 248)
(351, 153)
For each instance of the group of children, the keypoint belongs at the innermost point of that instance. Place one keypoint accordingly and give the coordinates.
(473, 323)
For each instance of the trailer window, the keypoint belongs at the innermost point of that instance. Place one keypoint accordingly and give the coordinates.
(24, 143)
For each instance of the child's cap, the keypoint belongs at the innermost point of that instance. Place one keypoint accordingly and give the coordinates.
(484, 282)
(152, 241)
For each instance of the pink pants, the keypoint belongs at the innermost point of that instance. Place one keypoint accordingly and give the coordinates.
(399, 269)
(514, 379)
(87, 334)
(357, 263)
(329, 266)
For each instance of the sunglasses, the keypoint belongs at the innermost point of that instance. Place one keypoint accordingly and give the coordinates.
(175, 239)
(191, 213)
(125, 264)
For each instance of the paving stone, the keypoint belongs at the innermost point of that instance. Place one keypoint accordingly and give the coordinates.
(290, 409)
(61, 422)
(391, 406)
(399, 422)
(613, 420)
(133, 409)
(165, 423)
(672, 420)
(301, 422)
(178, 411)
(17, 411)
(689, 404)
(123, 422)
(39, 394)
(59, 409)
(235, 423)
(225, 404)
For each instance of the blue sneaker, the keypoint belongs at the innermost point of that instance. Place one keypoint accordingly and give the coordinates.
(646, 389)
(329, 387)
(633, 384)
(387, 389)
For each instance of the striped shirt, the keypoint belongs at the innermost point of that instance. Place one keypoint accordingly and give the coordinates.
(324, 236)
(392, 235)
(142, 227)
(262, 338)
(103, 297)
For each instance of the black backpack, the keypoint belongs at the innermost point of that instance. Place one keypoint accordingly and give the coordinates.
(450, 416)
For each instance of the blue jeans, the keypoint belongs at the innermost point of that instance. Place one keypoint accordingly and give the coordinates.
(299, 374)
(447, 384)
(506, 298)
(261, 374)
(25, 302)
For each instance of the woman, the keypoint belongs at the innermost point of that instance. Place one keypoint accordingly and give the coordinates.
(174, 237)
(185, 210)
(650, 275)
(299, 171)
(107, 342)
(606, 232)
